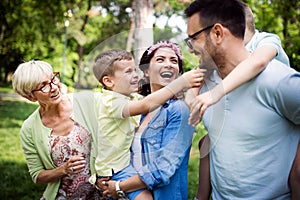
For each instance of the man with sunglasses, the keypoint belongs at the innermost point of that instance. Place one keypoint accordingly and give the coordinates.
(254, 130)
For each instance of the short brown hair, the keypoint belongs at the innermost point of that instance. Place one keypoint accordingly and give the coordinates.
(103, 64)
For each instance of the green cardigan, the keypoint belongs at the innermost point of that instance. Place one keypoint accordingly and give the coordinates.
(35, 137)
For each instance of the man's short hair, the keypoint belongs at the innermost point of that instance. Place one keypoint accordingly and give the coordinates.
(229, 13)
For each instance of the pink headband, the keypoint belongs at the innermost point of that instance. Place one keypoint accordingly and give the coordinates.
(165, 44)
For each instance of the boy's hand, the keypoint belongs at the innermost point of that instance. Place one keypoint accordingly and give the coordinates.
(110, 189)
(198, 106)
(201, 102)
(193, 78)
(101, 183)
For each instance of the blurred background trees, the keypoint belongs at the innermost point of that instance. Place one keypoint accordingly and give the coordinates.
(68, 34)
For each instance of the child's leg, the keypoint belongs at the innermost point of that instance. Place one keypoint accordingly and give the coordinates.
(294, 179)
(145, 195)
(204, 187)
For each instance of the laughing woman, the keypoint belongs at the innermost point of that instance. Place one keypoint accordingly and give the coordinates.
(160, 150)
(58, 136)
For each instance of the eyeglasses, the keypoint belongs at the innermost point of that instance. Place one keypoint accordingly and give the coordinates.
(191, 37)
(47, 87)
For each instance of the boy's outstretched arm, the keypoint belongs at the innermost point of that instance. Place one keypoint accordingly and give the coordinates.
(192, 78)
(243, 72)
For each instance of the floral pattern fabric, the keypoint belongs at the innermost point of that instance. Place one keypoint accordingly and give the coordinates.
(77, 142)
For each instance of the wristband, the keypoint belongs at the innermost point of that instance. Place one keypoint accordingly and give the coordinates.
(120, 193)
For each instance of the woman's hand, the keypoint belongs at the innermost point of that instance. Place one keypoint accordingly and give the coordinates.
(74, 165)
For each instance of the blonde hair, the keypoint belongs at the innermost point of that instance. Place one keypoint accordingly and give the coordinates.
(28, 75)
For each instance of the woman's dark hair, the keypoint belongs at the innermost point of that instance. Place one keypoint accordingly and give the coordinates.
(144, 85)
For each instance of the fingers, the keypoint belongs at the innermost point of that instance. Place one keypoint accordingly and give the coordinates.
(202, 111)
(198, 77)
(102, 185)
(102, 182)
(77, 158)
(75, 165)
(110, 189)
(197, 110)
(194, 78)
(105, 192)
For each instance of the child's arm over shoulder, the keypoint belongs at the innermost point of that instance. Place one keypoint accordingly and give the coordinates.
(249, 68)
(242, 73)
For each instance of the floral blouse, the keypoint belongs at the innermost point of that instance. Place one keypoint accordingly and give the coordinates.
(78, 142)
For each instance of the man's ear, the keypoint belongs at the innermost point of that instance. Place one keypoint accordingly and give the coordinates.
(218, 33)
(108, 82)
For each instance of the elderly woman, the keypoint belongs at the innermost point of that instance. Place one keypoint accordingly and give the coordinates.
(58, 136)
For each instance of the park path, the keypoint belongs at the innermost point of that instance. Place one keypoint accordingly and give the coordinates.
(12, 96)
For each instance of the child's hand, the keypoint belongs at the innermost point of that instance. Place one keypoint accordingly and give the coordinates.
(193, 78)
(201, 102)
(101, 183)
(198, 106)
(110, 189)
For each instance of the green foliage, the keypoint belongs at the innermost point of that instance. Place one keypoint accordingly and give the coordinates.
(27, 29)
(31, 29)
(169, 7)
(282, 18)
(163, 34)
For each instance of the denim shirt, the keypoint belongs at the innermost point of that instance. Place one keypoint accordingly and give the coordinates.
(166, 143)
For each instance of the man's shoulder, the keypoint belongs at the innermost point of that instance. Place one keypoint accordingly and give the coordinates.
(278, 69)
(274, 73)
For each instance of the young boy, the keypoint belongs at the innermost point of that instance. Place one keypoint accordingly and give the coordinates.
(116, 71)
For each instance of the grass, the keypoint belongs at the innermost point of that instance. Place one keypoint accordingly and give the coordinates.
(6, 88)
(16, 182)
(194, 162)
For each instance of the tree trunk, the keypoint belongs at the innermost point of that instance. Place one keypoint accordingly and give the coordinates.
(80, 48)
(132, 27)
(143, 35)
(80, 54)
